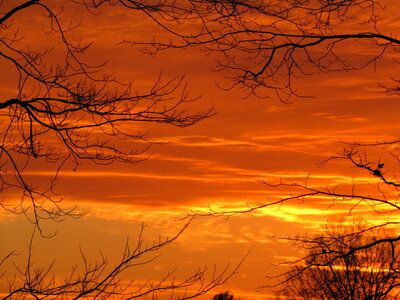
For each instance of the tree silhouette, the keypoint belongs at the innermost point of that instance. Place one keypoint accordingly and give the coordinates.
(270, 44)
(224, 296)
(59, 110)
(328, 271)
(102, 280)
(68, 110)
(367, 244)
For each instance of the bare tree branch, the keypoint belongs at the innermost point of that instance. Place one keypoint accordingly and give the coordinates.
(70, 112)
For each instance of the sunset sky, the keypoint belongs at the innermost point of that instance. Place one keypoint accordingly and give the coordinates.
(217, 164)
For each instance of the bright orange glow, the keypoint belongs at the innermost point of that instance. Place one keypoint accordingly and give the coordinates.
(217, 164)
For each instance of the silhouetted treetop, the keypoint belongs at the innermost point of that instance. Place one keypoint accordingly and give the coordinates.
(333, 270)
(224, 296)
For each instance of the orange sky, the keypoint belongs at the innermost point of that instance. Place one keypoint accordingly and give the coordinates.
(216, 163)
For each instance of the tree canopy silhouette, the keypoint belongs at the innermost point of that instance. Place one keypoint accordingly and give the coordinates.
(224, 296)
(332, 270)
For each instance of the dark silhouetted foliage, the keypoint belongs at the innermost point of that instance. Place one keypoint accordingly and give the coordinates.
(338, 266)
(224, 296)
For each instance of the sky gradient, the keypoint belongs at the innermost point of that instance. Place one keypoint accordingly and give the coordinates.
(219, 163)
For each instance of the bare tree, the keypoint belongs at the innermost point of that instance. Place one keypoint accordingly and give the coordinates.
(68, 110)
(328, 271)
(60, 110)
(361, 263)
(269, 44)
(224, 296)
(102, 280)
